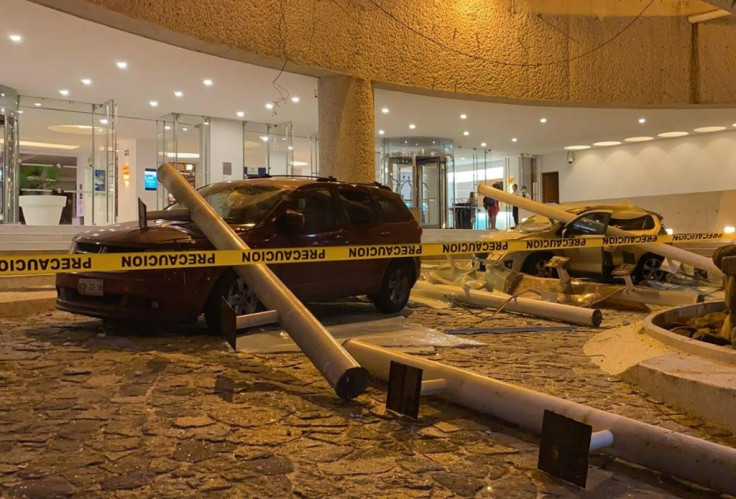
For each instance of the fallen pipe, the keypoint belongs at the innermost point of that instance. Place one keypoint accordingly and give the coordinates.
(683, 456)
(537, 308)
(555, 213)
(336, 365)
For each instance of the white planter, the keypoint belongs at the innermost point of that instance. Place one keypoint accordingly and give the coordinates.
(42, 210)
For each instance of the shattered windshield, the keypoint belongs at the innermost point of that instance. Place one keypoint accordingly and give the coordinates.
(240, 203)
(535, 223)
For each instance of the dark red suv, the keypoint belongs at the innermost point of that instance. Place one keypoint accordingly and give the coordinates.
(267, 213)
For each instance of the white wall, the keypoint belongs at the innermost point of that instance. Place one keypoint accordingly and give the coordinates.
(226, 145)
(141, 154)
(691, 180)
(696, 163)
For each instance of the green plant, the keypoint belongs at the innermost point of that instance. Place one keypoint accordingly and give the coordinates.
(39, 177)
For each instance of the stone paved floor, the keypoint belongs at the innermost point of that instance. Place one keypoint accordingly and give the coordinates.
(89, 411)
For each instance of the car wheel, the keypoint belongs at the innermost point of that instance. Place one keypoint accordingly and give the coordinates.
(649, 268)
(535, 265)
(396, 286)
(237, 294)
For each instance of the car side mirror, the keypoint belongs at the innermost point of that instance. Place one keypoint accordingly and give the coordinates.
(289, 220)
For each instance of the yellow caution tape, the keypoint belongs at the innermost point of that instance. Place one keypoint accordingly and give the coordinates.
(145, 260)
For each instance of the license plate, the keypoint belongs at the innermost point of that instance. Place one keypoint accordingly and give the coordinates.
(90, 287)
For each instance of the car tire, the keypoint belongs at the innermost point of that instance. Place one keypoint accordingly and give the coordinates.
(237, 293)
(649, 268)
(534, 265)
(396, 287)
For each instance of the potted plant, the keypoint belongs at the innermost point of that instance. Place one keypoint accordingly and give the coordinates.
(40, 205)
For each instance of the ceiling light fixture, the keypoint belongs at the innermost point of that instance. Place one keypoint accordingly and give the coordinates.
(576, 148)
(179, 94)
(103, 121)
(543, 120)
(642, 121)
(167, 127)
(207, 82)
(86, 81)
(295, 99)
(463, 116)
(412, 126)
(466, 133)
(482, 144)
(384, 110)
(514, 139)
(240, 114)
(291, 148)
(667, 135)
(45, 145)
(269, 105)
(184, 129)
(641, 138)
(264, 138)
(381, 132)
(121, 64)
(37, 104)
(607, 143)
(705, 129)
(64, 92)
(153, 103)
(15, 38)
(20, 111)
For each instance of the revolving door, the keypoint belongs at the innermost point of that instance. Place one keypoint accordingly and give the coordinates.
(420, 171)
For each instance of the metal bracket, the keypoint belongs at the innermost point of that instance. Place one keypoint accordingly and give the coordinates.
(142, 215)
(565, 446)
(230, 323)
(405, 387)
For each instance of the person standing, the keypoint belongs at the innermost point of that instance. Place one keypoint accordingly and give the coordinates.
(515, 209)
(473, 205)
(491, 206)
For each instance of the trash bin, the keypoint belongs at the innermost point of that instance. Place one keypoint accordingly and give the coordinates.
(462, 215)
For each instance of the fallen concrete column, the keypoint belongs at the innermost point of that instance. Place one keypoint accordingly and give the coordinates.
(537, 308)
(683, 456)
(335, 364)
(555, 213)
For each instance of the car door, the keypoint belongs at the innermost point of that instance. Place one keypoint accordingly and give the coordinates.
(588, 224)
(361, 222)
(317, 205)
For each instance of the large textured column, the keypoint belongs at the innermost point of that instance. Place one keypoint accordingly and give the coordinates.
(346, 128)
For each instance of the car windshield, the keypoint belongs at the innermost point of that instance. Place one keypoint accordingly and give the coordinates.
(240, 203)
(535, 223)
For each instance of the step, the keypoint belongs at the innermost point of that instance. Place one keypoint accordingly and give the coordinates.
(24, 303)
(36, 282)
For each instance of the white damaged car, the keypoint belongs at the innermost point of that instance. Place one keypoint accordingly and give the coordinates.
(592, 220)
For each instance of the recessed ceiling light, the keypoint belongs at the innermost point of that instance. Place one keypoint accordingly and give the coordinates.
(153, 103)
(240, 114)
(642, 120)
(384, 110)
(576, 148)
(466, 133)
(462, 159)
(412, 126)
(463, 116)
(269, 105)
(607, 143)
(20, 111)
(642, 138)
(121, 64)
(103, 121)
(64, 92)
(179, 94)
(37, 104)
(672, 134)
(86, 81)
(381, 132)
(295, 99)
(482, 144)
(167, 127)
(704, 129)
(208, 82)
(406, 142)
(514, 139)
(264, 138)
(543, 120)
(15, 38)
(734, 125)
(184, 129)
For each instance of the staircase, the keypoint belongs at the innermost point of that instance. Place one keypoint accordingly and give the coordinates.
(15, 238)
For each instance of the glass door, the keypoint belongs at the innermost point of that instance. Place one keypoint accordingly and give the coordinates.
(431, 191)
(183, 141)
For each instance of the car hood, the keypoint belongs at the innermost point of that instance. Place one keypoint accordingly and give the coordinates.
(158, 233)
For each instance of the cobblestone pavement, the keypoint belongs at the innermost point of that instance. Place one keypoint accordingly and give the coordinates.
(89, 411)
